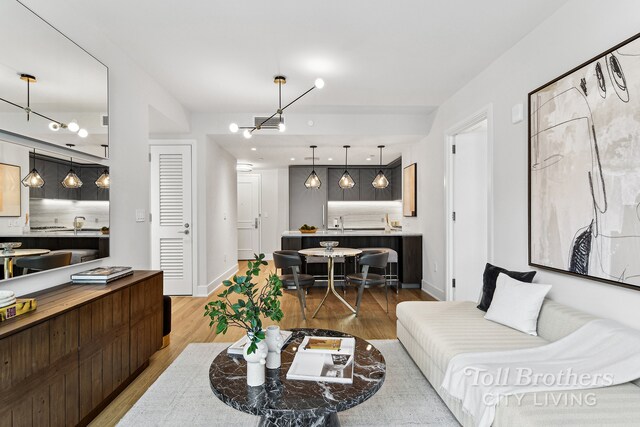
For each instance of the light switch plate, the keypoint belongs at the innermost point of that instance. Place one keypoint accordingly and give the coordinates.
(517, 113)
(140, 215)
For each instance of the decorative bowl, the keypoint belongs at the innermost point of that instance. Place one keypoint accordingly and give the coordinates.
(8, 247)
(308, 230)
(329, 244)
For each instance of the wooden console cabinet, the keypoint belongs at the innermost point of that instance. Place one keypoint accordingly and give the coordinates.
(63, 363)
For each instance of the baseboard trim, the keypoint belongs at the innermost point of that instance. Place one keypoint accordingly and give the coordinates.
(433, 291)
(215, 283)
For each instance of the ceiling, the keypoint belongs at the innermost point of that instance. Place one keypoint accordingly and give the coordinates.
(400, 57)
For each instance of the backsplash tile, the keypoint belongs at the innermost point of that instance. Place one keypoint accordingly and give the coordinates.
(364, 214)
(53, 212)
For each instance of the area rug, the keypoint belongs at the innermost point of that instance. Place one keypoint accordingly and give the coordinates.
(181, 396)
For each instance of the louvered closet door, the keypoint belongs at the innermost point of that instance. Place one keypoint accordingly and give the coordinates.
(171, 229)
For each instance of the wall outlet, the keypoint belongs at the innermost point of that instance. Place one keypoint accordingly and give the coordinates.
(435, 267)
(140, 215)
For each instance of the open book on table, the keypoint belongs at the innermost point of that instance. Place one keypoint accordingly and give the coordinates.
(327, 359)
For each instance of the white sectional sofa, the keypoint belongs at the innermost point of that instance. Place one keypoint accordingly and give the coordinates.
(434, 332)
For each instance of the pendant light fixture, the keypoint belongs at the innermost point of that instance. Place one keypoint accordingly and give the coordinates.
(103, 181)
(273, 122)
(71, 180)
(313, 180)
(33, 178)
(346, 181)
(380, 181)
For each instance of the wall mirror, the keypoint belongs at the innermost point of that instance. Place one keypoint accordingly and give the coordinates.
(50, 88)
(58, 222)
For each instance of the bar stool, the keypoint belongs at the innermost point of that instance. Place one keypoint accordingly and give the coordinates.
(391, 274)
(291, 259)
(364, 279)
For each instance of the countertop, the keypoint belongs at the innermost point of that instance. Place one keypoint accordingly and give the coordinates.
(350, 233)
(81, 233)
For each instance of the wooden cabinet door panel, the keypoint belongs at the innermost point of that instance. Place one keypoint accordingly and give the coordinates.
(146, 321)
(39, 381)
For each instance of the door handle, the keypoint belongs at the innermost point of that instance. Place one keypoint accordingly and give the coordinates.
(184, 231)
(255, 225)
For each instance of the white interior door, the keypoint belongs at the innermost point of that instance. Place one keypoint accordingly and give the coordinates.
(470, 226)
(171, 221)
(248, 215)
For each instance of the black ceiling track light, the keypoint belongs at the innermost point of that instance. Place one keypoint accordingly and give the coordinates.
(380, 181)
(346, 182)
(267, 123)
(313, 180)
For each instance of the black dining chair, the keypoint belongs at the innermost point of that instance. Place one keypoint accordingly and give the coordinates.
(300, 282)
(43, 262)
(370, 259)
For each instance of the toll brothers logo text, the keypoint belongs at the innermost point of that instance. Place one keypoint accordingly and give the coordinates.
(562, 381)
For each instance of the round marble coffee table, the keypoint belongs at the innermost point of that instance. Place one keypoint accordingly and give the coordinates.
(283, 403)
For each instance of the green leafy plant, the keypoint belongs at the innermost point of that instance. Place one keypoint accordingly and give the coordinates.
(251, 305)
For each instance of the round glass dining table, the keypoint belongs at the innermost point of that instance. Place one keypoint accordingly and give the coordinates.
(330, 254)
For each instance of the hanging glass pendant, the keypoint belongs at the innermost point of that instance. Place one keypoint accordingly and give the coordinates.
(71, 180)
(346, 181)
(33, 178)
(103, 180)
(313, 180)
(380, 181)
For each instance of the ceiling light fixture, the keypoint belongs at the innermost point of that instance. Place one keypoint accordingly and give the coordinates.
(104, 181)
(313, 181)
(380, 181)
(33, 178)
(346, 182)
(71, 180)
(54, 125)
(265, 124)
(244, 167)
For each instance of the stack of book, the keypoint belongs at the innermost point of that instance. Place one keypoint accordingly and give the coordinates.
(324, 359)
(101, 275)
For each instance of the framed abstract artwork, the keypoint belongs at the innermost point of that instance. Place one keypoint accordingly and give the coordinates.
(584, 169)
(10, 190)
(409, 191)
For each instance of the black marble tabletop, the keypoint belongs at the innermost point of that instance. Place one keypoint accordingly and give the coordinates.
(282, 398)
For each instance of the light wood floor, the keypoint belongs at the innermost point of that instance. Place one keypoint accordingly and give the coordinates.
(189, 326)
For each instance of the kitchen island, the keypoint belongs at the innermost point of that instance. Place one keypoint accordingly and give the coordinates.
(407, 244)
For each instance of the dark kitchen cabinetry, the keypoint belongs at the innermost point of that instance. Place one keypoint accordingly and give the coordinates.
(363, 190)
(53, 172)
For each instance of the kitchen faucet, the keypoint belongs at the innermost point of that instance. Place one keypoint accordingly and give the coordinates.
(75, 224)
(342, 224)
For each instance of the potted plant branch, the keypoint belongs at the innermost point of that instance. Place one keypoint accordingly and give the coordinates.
(252, 304)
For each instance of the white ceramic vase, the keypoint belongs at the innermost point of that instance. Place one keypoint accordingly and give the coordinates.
(274, 343)
(255, 362)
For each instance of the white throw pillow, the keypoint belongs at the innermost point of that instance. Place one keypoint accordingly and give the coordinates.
(517, 304)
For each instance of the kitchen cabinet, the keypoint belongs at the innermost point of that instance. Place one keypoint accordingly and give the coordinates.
(363, 190)
(336, 193)
(396, 183)
(53, 172)
(306, 205)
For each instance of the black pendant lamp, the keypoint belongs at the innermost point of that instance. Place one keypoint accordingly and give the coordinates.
(71, 180)
(346, 181)
(313, 180)
(33, 178)
(380, 181)
(104, 181)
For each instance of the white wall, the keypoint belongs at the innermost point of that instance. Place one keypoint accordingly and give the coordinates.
(217, 213)
(19, 156)
(131, 92)
(577, 32)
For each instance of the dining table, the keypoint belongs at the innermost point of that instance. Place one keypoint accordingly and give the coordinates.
(9, 256)
(330, 254)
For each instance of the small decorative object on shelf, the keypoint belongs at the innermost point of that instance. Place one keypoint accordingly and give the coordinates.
(274, 344)
(246, 312)
(18, 307)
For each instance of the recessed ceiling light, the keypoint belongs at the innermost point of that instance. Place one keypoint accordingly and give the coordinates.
(368, 159)
(292, 159)
(330, 158)
(253, 148)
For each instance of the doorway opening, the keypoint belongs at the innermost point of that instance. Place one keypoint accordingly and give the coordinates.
(469, 204)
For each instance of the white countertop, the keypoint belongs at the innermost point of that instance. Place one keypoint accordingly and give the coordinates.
(55, 234)
(350, 233)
